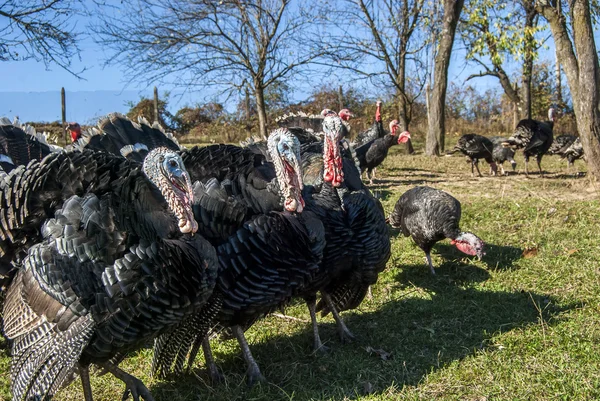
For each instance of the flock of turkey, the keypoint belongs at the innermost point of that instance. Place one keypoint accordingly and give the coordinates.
(126, 237)
(534, 137)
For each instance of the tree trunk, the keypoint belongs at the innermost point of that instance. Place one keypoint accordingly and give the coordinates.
(528, 51)
(403, 116)
(437, 102)
(526, 86)
(580, 62)
(261, 109)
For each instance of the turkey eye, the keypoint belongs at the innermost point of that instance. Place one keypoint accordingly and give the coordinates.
(172, 163)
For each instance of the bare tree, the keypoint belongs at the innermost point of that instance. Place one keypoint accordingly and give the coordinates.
(39, 30)
(436, 98)
(226, 44)
(576, 48)
(386, 38)
(494, 31)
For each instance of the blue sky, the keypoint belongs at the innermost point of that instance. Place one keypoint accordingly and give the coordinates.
(32, 91)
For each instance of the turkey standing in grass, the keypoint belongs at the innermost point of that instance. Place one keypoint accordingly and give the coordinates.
(502, 154)
(115, 262)
(429, 215)
(534, 137)
(476, 147)
(357, 240)
(373, 153)
(266, 255)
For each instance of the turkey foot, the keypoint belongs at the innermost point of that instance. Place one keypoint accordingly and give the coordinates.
(253, 374)
(345, 334)
(317, 345)
(133, 385)
(215, 376)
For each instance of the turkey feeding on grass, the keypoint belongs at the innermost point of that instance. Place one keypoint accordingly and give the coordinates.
(429, 215)
(534, 137)
(476, 147)
(567, 147)
(502, 154)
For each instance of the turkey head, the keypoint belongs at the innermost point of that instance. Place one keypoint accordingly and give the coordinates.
(284, 149)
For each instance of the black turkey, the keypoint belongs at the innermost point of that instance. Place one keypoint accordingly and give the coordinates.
(373, 153)
(476, 147)
(573, 152)
(534, 137)
(375, 131)
(502, 154)
(117, 134)
(357, 241)
(19, 144)
(113, 263)
(268, 251)
(429, 215)
(314, 122)
(567, 147)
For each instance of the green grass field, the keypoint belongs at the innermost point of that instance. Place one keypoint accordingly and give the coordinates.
(522, 324)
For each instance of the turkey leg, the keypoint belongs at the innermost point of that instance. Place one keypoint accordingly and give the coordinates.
(84, 373)
(312, 308)
(253, 374)
(133, 385)
(428, 258)
(345, 334)
(215, 375)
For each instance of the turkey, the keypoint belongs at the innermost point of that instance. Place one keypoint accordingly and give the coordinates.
(357, 241)
(373, 153)
(74, 131)
(476, 147)
(314, 122)
(117, 134)
(429, 215)
(501, 154)
(561, 143)
(534, 137)
(567, 147)
(113, 263)
(375, 131)
(573, 151)
(267, 254)
(19, 144)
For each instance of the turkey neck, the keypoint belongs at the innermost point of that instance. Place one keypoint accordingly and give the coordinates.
(390, 140)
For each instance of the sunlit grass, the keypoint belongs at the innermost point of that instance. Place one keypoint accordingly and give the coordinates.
(506, 327)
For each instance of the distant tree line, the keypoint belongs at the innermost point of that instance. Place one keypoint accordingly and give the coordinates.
(259, 50)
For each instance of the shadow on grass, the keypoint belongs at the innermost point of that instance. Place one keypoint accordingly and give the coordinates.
(447, 273)
(497, 257)
(421, 334)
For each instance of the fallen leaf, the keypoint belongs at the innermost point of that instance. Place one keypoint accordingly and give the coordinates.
(572, 251)
(384, 355)
(530, 252)
(551, 211)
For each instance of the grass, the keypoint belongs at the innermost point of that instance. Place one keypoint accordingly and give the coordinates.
(523, 323)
